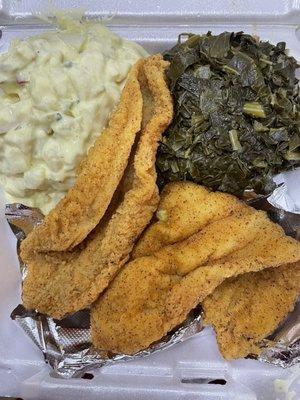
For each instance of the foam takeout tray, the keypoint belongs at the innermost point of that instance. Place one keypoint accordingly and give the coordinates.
(193, 369)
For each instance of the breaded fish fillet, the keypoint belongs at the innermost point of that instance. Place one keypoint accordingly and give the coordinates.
(141, 193)
(85, 203)
(59, 283)
(153, 294)
(243, 310)
(246, 309)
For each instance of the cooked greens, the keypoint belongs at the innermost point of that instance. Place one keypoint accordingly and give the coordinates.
(237, 113)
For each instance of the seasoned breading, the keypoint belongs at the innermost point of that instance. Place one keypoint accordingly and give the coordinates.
(246, 309)
(153, 294)
(243, 310)
(184, 208)
(85, 203)
(140, 203)
(59, 283)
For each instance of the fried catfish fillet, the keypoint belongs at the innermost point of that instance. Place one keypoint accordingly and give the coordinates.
(62, 282)
(153, 294)
(242, 310)
(246, 309)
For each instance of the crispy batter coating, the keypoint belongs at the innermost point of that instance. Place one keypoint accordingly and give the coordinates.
(139, 204)
(63, 282)
(242, 310)
(184, 208)
(153, 294)
(246, 309)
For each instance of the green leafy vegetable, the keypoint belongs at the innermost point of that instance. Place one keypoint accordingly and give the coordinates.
(254, 109)
(237, 113)
(235, 143)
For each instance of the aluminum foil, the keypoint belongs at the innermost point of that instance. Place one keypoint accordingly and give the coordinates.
(67, 347)
(66, 344)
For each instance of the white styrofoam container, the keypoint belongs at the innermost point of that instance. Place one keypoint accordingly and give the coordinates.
(182, 372)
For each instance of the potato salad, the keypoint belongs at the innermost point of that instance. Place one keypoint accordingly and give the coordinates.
(57, 91)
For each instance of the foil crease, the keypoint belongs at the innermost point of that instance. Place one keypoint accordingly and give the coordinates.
(66, 344)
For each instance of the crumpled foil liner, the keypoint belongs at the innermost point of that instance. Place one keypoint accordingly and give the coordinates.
(66, 344)
(67, 347)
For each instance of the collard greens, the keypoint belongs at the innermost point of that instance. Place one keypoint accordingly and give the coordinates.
(237, 113)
